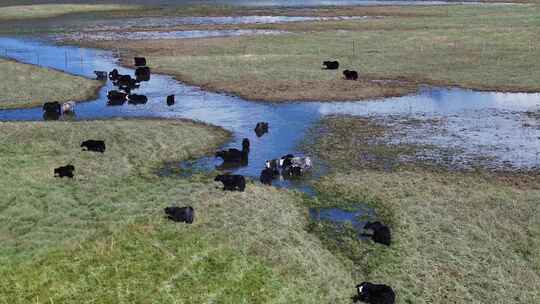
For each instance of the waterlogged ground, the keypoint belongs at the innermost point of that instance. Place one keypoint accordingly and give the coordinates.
(150, 28)
(488, 125)
(171, 22)
(155, 35)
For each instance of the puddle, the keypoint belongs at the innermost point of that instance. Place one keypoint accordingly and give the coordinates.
(486, 124)
(357, 218)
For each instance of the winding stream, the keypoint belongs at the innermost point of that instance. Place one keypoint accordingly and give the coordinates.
(491, 124)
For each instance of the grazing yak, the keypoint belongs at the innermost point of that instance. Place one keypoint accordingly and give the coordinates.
(139, 61)
(180, 214)
(142, 74)
(381, 233)
(170, 100)
(267, 175)
(101, 75)
(65, 171)
(137, 99)
(261, 129)
(68, 107)
(330, 65)
(116, 98)
(350, 75)
(93, 145)
(235, 155)
(374, 294)
(232, 182)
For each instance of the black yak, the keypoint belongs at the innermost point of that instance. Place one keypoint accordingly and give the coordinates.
(235, 155)
(116, 98)
(65, 171)
(261, 129)
(142, 74)
(267, 175)
(137, 99)
(350, 75)
(381, 233)
(374, 294)
(170, 100)
(139, 61)
(93, 145)
(232, 182)
(330, 65)
(180, 214)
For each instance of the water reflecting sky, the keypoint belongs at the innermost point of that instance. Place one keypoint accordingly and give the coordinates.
(487, 123)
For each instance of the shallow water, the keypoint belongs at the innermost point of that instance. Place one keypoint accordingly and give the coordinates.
(357, 218)
(486, 124)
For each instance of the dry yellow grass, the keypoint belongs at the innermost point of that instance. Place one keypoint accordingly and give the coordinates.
(478, 47)
(54, 10)
(26, 85)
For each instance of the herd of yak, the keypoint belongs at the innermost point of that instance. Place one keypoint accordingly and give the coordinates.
(288, 166)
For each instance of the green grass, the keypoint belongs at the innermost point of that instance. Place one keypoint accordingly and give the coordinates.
(458, 237)
(102, 237)
(481, 47)
(27, 85)
(53, 10)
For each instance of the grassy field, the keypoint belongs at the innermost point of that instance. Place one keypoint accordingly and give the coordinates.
(27, 85)
(480, 47)
(102, 237)
(458, 237)
(54, 10)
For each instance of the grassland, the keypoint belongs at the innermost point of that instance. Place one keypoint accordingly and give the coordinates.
(54, 10)
(459, 237)
(102, 237)
(480, 47)
(27, 85)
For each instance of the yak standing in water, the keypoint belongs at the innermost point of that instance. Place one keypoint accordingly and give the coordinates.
(170, 100)
(142, 74)
(235, 155)
(261, 129)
